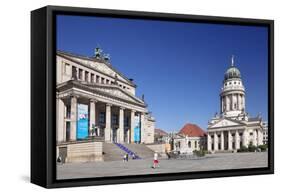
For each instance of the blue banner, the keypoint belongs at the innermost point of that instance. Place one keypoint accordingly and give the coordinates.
(82, 121)
(137, 130)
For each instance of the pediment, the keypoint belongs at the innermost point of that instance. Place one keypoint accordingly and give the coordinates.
(99, 66)
(225, 123)
(117, 92)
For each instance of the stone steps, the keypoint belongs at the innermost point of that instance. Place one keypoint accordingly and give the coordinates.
(113, 153)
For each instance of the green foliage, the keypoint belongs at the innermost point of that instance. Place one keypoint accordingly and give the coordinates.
(263, 148)
(243, 149)
(252, 148)
(200, 153)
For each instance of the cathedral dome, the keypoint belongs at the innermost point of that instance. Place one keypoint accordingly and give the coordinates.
(232, 72)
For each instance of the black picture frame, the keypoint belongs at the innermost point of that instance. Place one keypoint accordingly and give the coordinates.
(43, 90)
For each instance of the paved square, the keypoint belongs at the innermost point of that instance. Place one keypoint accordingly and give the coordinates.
(137, 167)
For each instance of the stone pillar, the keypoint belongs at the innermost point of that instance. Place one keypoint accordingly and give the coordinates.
(243, 102)
(73, 118)
(238, 101)
(132, 125)
(61, 132)
(260, 137)
(128, 136)
(121, 125)
(107, 123)
(222, 141)
(255, 138)
(215, 141)
(229, 140)
(227, 103)
(237, 140)
(92, 114)
(232, 101)
(245, 138)
(209, 142)
(142, 128)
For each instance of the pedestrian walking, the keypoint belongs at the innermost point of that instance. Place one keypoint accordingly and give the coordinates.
(124, 157)
(155, 161)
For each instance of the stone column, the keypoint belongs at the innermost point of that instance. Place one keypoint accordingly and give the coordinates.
(229, 140)
(243, 102)
(132, 125)
(215, 141)
(222, 141)
(255, 138)
(227, 103)
(245, 138)
(61, 132)
(107, 123)
(92, 114)
(73, 118)
(237, 142)
(121, 125)
(209, 142)
(142, 128)
(238, 102)
(260, 137)
(232, 101)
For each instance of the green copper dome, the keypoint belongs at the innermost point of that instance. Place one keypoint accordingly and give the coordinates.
(232, 72)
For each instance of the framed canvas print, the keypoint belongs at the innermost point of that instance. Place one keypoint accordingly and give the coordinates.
(126, 97)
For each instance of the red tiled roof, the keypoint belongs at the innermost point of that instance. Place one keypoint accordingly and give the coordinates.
(160, 132)
(192, 130)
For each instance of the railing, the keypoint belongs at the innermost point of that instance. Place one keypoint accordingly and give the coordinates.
(128, 151)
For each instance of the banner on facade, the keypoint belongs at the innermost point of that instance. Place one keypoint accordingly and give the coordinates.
(137, 129)
(82, 121)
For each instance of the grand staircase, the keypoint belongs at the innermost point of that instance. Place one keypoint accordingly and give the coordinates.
(116, 151)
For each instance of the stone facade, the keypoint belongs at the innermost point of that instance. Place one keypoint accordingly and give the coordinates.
(113, 108)
(233, 127)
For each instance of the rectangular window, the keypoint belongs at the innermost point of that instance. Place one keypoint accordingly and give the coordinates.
(102, 80)
(114, 119)
(68, 111)
(92, 78)
(102, 117)
(86, 76)
(97, 78)
(80, 74)
(66, 68)
(74, 72)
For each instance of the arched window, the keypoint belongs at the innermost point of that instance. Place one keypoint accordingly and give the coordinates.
(189, 144)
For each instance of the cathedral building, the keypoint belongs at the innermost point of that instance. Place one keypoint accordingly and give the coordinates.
(233, 127)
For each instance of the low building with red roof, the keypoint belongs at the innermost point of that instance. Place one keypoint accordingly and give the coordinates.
(189, 138)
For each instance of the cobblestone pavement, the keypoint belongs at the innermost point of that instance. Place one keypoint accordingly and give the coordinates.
(134, 167)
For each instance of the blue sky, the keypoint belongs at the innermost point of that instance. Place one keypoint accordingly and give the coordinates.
(178, 66)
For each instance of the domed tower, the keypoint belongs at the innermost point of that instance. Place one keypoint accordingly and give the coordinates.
(232, 95)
